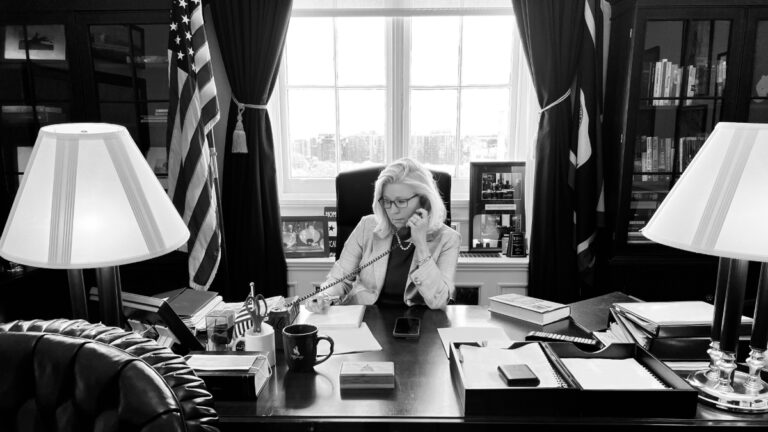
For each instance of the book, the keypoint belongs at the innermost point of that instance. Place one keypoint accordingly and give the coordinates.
(186, 301)
(367, 375)
(349, 316)
(528, 309)
(675, 318)
(672, 348)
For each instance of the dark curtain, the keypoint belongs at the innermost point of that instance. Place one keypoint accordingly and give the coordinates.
(551, 32)
(251, 36)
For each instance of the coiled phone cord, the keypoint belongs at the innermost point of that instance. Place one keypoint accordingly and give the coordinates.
(341, 279)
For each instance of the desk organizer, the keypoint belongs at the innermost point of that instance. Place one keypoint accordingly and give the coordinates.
(677, 400)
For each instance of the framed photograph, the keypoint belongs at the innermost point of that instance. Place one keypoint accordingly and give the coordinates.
(305, 236)
(496, 203)
(44, 42)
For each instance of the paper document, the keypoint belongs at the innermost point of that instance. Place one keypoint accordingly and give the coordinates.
(349, 340)
(220, 362)
(619, 374)
(480, 365)
(336, 317)
(490, 336)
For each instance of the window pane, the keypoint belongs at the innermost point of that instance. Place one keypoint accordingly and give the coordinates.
(434, 50)
(362, 126)
(433, 128)
(310, 51)
(484, 125)
(486, 50)
(361, 51)
(312, 116)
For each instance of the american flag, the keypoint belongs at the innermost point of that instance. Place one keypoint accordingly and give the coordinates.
(192, 173)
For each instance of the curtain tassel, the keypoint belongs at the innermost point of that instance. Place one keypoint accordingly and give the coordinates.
(239, 143)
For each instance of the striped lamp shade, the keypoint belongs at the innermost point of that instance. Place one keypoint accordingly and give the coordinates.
(719, 206)
(89, 199)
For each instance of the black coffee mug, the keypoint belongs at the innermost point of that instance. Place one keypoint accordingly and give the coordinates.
(300, 346)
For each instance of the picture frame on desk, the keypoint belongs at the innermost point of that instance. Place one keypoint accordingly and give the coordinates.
(305, 236)
(496, 203)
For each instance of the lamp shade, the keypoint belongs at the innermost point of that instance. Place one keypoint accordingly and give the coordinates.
(719, 206)
(89, 199)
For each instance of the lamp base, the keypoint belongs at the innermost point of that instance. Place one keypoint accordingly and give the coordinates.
(739, 399)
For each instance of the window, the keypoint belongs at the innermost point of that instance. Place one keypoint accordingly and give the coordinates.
(357, 90)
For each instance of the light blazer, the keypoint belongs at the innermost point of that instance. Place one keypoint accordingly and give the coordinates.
(430, 284)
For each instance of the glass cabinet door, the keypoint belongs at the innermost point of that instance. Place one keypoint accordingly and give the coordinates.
(758, 101)
(130, 64)
(35, 89)
(680, 98)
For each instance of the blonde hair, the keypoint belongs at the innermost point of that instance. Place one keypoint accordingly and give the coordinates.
(410, 172)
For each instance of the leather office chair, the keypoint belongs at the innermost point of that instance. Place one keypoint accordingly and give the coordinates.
(354, 194)
(74, 375)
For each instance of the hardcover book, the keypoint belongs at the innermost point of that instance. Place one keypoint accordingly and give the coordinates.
(528, 309)
(187, 301)
(367, 375)
(672, 348)
(675, 319)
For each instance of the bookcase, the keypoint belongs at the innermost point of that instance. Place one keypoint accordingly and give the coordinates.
(674, 70)
(85, 61)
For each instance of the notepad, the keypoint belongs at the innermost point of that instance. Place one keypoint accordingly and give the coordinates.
(616, 374)
(349, 316)
(480, 365)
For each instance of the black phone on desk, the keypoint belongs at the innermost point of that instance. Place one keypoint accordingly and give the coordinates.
(408, 328)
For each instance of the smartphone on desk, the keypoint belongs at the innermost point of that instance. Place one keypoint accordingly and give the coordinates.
(408, 328)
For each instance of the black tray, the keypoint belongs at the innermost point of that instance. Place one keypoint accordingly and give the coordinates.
(679, 400)
(512, 401)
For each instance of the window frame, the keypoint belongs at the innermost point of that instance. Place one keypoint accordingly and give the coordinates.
(301, 193)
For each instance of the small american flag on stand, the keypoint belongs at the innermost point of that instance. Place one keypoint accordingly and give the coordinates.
(192, 172)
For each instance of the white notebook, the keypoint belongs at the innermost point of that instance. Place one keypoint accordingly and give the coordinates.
(336, 317)
(618, 374)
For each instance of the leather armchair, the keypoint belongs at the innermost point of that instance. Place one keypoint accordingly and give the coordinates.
(74, 375)
(354, 195)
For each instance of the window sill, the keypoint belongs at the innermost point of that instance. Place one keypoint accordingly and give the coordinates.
(503, 263)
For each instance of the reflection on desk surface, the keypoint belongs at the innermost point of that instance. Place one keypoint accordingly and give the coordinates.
(423, 387)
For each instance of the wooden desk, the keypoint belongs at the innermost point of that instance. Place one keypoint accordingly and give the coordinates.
(424, 398)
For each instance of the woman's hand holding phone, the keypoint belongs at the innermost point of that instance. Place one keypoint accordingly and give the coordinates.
(419, 224)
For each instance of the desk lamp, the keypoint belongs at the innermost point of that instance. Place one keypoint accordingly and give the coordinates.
(719, 207)
(88, 199)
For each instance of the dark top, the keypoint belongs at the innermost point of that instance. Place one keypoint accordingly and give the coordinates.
(397, 274)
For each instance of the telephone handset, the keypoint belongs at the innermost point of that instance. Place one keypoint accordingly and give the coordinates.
(424, 202)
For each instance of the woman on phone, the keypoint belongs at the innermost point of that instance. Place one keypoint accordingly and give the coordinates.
(407, 221)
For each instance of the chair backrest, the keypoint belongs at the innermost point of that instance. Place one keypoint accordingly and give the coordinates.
(354, 194)
(73, 375)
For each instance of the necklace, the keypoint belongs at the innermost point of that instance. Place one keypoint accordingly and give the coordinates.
(408, 242)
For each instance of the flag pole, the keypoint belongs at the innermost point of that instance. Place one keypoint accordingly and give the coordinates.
(224, 262)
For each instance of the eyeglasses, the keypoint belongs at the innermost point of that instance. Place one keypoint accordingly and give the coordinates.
(399, 203)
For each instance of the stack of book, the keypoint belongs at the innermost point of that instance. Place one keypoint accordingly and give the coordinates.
(672, 331)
